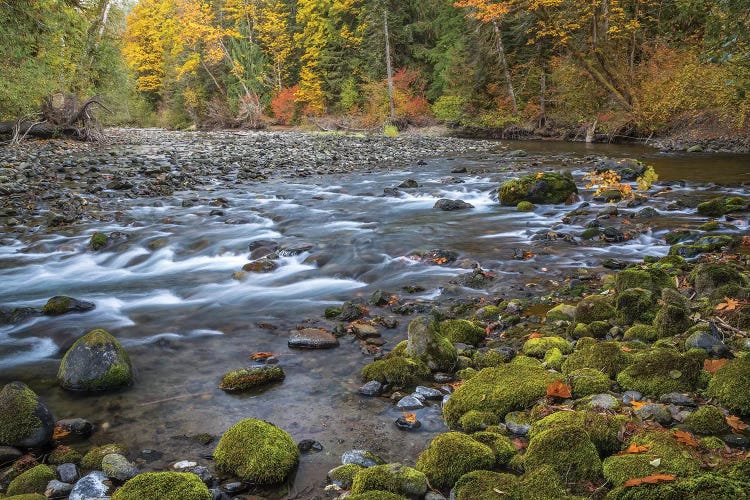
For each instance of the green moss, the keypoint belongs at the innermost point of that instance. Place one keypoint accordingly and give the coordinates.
(672, 320)
(607, 357)
(473, 421)
(486, 358)
(712, 443)
(463, 331)
(636, 304)
(707, 420)
(603, 429)
(95, 362)
(33, 480)
(671, 263)
(253, 450)
(398, 371)
(56, 306)
(525, 206)
(427, 345)
(553, 359)
(581, 330)
(709, 226)
(500, 445)
(526, 361)
(708, 277)
(376, 495)
(27, 496)
(466, 373)
(164, 486)
(343, 475)
(395, 478)
(547, 188)
(651, 278)
(567, 449)
(588, 381)
(561, 312)
(93, 459)
(246, 379)
(591, 233)
(498, 390)
(450, 456)
(660, 371)
(538, 347)
(594, 308)
(64, 455)
(18, 415)
(488, 313)
(98, 241)
(646, 333)
(485, 485)
(716, 207)
(332, 312)
(599, 329)
(731, 385)
(543, 483)
(675, 458)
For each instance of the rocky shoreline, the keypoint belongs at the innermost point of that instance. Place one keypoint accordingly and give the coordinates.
(624, 383)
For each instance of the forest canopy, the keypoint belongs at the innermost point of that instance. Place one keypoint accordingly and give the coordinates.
(632, 67)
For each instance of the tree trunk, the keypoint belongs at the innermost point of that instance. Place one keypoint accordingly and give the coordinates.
(543, 99)
(388, 65)
(504, 65)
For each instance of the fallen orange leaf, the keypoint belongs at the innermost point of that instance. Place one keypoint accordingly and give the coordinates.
(519, 444)
(736, 423)
(409, 417)
(626, 349)
(262, 355)
(685, 438)
(637, 404)
(713, 365)
(652, 479)
(728, 305)
(559, 390)
(60, 433)
(536, 335)
(634, 448)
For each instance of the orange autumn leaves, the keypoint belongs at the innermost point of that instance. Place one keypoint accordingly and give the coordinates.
(558, 389)
(652, 479)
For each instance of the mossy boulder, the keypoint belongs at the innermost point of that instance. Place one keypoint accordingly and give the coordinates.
(449, 456)
(395, 478)
(343, 475)
(587, 381)
(25, 420)
(427, 345)
(543, 188)
(376, 495)
(708, 277)
(491, 357)
(498, 390)
(567, 449)
(539, 346)
(606, 357)
(561, 312)
(580, 331)
(645, 333)
(64, 455)
(650, 278)
(553, 359)
(246, 379)
(399, 371)
(716, 207)
(672, 320)
(485, 485)
(676, 458)
(164, 486)
(62, 304)
(635, 304)
(525, 206)
(473, 421)
(98, 241)
(661, 371)
(603, 429)
(500, 445)
(462, 331)
(96, 362)
(256, 451)
(731, 385)
(93, 459)
(542, 483)
(26, 496)
(707, 420)
(594, 308)
(33, 480)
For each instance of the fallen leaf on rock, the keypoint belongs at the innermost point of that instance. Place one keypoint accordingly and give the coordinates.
(638, 404)
(60, 432)
(262, 355)
(652, 479)
(685, 438)
(409, 417)
(713, 365)
(558, 389)
(634, 448)
(626, 349)
(736, 423)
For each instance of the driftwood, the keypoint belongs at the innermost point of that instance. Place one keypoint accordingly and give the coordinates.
(60, 116)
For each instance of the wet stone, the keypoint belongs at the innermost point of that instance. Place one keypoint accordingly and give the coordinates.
(710, 343)
(309, 445)
(118, 467)
(312, 338)
(361, 457)
(372, 388)
(452, 205)
(61, 304)
(409, 403)
(409, 184)
(350, 312)
(9, 454)
(77, 426)
(604, 401)
(93, 485)
(630, 396)
(655, 412)
(234, 487)
(365, 330)
(57, 489)
(676, 398)
(736, 440)
(260, 266)
(429, 392)
(68, 473)
(408, 423)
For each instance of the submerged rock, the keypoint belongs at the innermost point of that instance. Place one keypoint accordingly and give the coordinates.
(246, 379)
(25, 420)
(62, 304)
(96, 362)
(312, 338)
(451, 205)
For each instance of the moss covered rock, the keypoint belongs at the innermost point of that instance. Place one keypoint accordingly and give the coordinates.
(594, 308)
(93, 459)
(567, 449)
(542, 483)
(539, 346)
(498, 391)
(473, 421)
(525, 206)
(343, 475)
(450, 456)
(62, 304)
(64, 455)
(602, 428)
(164, 486)
(398, 371)
(646, 333)
(95, 362)
(461, 330)
(635, 304)
(395, 478)
(543, 188)
(25, 421)
(661, 371)
(707, 420)
(256, 451)
(588, 381)
(553, 359)
(716, 207)
(561, 312)
(500, 445)
(33, 480)
(98, 241)
(427, 345)
(606, 357)
(485, 485)
(708, 277)
(731, 385)
(653, 279)
(675, 458)
(376, 495)
(246, 379)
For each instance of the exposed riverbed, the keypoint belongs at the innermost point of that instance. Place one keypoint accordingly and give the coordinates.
(188, 206)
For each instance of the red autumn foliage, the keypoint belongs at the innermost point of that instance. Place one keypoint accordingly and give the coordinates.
(283, 105)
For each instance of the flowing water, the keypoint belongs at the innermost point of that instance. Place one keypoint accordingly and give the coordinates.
(167, 292)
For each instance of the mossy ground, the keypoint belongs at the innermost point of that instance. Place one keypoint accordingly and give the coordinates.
(731, 385)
